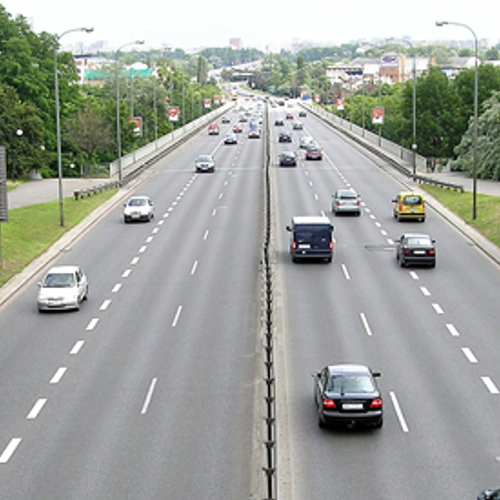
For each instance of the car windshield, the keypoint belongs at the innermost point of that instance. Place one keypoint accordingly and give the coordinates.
(59, 280)
(204, 158)
(137, 202)
(351, 384)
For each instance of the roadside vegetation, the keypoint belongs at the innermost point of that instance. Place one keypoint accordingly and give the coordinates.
(487, 210)
(31, 230)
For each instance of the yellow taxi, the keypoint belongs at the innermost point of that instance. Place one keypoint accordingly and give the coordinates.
(409, 205)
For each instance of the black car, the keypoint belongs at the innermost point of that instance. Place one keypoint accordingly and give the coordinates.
(348, 394)
(489, 495)
(418, 249)
(279, 122)
(288, 159)
(302, 114)
(284, 137)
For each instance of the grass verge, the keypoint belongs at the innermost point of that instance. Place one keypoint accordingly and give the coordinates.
(33, 229)
(487, 210)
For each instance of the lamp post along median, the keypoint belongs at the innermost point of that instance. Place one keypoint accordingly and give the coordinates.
(58, 121)
(474, 139)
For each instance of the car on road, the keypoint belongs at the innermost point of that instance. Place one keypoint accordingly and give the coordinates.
(302, 114)
(237, 129)
(254, 131)
(62, 287)
(204, 163)
(297, 125)
(289, 116)
(226, 119)
(230, 138)
(348, 394)
(213, 129)
(416, 249)
(287, 159)
(346, 201)
(313, 152)
(311, 237)
(138, 208)
(305, 141)
(279, 122)
(489, 495)
(284, 137)
(409, 205)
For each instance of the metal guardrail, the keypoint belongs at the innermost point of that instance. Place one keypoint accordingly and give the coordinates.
(132, 172)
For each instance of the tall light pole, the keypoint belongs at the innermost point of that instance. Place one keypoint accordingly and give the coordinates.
(414, 111)
(476, 87)
(118, 128)
(58, 120)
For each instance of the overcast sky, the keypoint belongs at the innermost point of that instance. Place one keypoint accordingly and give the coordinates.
(258, 23)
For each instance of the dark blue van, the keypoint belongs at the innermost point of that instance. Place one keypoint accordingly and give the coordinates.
(311, 238)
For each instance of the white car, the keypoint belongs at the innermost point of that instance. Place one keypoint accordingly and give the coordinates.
(138, 208)
(62, 287)
(205, 163)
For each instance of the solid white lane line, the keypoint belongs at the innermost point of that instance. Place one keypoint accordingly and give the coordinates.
(77, 347)
(469, 355)
(92, 324)
(145, 406)
(177, 316)
(193, 269)
(143, 249)
(490, 385)
(116, 288)
(126, 273)
(9, 450)
(425, 291)
(454, 332)
(37, 408)
(345, 271)
(414, 275)
(366, 325)
(437, 308)
(105, 305)
(134, 261)
(56, 378)
(399, 413)
(205, 236)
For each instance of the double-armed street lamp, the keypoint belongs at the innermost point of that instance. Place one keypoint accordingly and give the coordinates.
(474, 141)
(118, 128)
(58, 120)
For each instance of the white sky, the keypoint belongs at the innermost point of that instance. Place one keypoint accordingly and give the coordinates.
(258, 23)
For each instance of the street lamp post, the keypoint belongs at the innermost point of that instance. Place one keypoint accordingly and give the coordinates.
(58, 120)
(118, 128)
(474, 141)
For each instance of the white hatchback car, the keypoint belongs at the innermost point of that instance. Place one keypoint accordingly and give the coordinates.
(62, 287)
(138, 208)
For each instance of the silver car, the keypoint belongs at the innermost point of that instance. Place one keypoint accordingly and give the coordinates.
(63, 287)
(138, 208)
(346, 201)
(205, 163)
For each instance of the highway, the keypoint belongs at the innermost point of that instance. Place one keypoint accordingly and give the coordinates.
(152, 389)
(149, 390)
(433, 333)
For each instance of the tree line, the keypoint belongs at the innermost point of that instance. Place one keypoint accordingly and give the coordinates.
(88, 113)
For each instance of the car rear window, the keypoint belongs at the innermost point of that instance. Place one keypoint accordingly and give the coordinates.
(312, 234)
(352, 384)
(347, 196)
(418, 242)
(412, 200)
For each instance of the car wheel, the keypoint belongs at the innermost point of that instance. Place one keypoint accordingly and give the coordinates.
(86, 296)
(321, 424)
(402, 263)
(379, 424)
